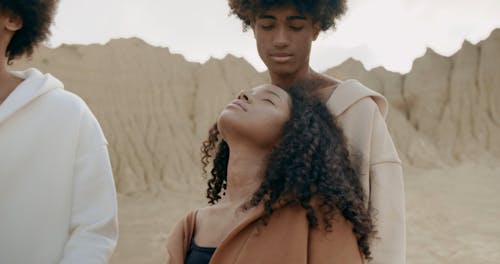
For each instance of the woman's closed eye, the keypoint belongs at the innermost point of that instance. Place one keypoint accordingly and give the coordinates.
(270, 101)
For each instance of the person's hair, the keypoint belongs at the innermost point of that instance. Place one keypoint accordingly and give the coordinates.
(37, 17)
(326, 12)
(310, 164)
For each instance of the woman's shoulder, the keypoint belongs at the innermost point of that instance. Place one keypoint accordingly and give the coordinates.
(179, 237)
(184, 225)
(189, 218)
(188, 223)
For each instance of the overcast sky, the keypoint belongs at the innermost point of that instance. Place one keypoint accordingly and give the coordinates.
(391, 33)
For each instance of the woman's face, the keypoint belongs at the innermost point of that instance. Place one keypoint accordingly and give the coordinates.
(257, 116)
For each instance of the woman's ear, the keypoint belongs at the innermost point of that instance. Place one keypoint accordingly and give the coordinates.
(12, 21)
(316, 30)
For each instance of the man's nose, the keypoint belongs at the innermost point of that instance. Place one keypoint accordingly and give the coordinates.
(281, 38)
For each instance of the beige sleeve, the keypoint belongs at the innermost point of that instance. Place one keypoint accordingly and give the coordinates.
(387, 198)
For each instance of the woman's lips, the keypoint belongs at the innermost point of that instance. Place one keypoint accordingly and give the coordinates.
(280, 57)
(240, 104)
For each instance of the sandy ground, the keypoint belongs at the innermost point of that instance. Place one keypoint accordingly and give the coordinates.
(452, 217)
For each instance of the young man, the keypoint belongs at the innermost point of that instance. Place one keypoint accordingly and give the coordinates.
(284, 31)
(57, 194)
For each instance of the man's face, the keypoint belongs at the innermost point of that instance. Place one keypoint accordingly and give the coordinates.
(284, 38)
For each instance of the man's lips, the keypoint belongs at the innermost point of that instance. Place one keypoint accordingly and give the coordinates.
(280, 57)
(240, 104)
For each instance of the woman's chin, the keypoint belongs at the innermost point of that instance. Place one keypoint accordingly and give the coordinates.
(229, 123)
(229, 116)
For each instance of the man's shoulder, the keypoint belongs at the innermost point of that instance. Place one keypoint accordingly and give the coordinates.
(48, 87)
(352, 94)
(67, 101)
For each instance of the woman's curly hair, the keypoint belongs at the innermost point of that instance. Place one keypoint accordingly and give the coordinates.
(310, 163)
(37, 17)
(324, 11)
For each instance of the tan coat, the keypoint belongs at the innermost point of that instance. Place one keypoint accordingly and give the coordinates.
(361, 113)
(286, 238)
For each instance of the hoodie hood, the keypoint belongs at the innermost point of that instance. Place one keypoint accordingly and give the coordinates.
(351, 91)
(34, 85)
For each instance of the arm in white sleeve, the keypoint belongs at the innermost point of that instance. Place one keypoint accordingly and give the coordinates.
(93, 224)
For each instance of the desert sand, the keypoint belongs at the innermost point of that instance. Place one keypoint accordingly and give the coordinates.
(452, 214)
(155, 109)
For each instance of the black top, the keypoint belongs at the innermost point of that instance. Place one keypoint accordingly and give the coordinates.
(199, 255)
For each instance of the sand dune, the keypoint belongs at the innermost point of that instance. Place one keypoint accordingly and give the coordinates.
(452, 102)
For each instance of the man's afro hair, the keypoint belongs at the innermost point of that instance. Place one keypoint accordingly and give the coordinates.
(326, 12)
(37, 17)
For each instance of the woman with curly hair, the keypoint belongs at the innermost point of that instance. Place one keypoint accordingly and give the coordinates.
(282, 187)
(284, 31)
(57, 195)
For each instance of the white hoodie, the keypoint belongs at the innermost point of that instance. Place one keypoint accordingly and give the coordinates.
(57, 194)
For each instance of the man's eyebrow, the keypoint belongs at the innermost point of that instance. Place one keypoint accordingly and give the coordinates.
(264, 16)
(296, 18)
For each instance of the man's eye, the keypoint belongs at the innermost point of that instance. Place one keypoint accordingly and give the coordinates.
(296, 28)
(267, 27)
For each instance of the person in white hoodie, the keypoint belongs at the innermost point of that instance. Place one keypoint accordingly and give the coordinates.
(57, 193)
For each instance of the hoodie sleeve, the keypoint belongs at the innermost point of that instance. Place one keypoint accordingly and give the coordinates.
(386, 196)
(93, 223)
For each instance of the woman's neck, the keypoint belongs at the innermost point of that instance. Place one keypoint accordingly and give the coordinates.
(245, 173)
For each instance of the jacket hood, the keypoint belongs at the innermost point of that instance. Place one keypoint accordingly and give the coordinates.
(351, 91)
(34, 85)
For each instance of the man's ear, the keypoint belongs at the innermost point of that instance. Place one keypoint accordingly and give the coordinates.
(13, 22)
(316, 30)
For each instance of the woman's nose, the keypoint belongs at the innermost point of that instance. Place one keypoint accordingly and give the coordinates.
(245, 96)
